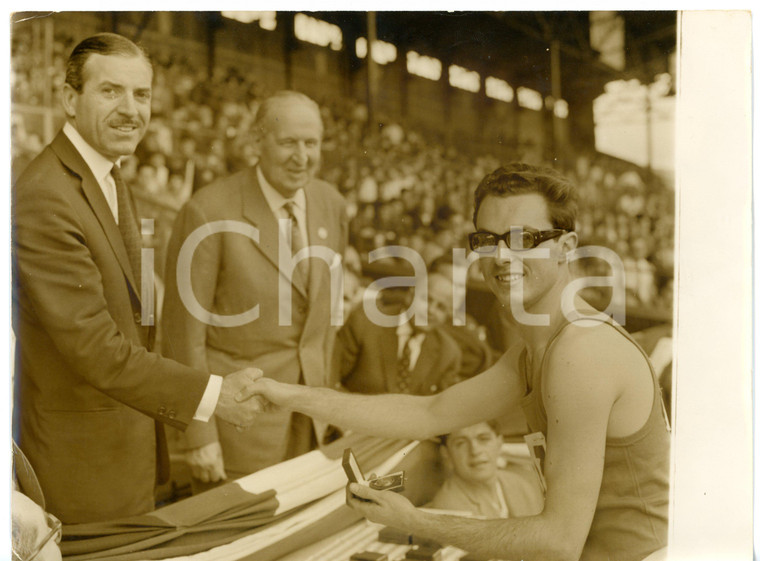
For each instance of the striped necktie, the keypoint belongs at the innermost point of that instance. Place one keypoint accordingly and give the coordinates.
(297, 242)
(128, 223)
(405, 367)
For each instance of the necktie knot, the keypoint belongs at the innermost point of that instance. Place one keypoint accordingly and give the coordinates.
(116, 174)
(290, 209)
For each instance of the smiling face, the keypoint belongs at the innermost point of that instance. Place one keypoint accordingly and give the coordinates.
(473, 452)
(290, 145)
(506, 273)
(112, 110)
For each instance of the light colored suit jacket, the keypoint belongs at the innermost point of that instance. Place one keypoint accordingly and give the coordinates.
(86, 384)
(365, 359)
(518, 484)
(232, 273)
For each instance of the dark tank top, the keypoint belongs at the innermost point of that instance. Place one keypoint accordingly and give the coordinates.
(631, 517)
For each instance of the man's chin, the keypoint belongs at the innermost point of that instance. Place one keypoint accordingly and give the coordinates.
(121, 149)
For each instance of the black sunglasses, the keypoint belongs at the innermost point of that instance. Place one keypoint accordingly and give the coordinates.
(516, 239)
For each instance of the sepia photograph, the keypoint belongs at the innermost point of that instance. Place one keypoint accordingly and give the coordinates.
(351, 285)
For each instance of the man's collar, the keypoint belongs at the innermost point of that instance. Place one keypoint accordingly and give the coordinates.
(274, 198)
(97, 162)
(406, 329)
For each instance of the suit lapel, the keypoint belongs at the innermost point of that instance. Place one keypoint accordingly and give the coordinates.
(323, 231)
(426, 361)
(389, 358)
(316, 215)
(71, 158)
(256, 210)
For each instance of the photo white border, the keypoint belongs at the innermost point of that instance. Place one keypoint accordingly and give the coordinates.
(712, 451)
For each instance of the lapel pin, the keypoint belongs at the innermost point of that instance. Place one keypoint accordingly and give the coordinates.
(322, 233)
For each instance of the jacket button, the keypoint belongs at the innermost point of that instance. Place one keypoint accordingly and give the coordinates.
(171, 414)
(138, 317)
(162, 410)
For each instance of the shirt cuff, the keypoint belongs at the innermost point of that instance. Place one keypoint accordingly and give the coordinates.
(208, 401)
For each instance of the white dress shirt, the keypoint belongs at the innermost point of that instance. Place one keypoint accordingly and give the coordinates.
(101, 169)
(405, 333)
(99, 165)
(277, 203)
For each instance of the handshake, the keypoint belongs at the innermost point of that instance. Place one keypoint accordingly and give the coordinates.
(239, 403)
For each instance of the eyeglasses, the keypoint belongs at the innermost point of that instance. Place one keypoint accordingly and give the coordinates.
(54, 534)
(516, 239)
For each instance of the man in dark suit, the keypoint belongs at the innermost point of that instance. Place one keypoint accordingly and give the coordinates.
(87, 386)
(448, 298)
(233, 298)
(371, 358)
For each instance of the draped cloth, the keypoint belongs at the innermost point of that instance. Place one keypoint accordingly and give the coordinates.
(261, 516)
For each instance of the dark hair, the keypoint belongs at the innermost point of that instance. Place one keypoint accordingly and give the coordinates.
(106, 44)
(268, 104)
(519, 178)
(444, 438)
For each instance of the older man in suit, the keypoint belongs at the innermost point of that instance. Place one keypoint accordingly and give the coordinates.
(87, 386)
(233, 297)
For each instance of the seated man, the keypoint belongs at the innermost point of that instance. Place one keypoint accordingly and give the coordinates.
(35, 534)
(471, 338)
(477, 485)
(413, 359)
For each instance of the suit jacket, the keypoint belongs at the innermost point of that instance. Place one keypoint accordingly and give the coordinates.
(518, 484)
(86, 384)
(232, 273)
(365, 359)
(477, 355)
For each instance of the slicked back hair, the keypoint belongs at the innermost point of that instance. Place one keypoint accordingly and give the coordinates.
(105, 44)
(520, 178)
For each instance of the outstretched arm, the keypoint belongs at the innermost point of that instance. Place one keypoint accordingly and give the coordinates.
(483, 397)
(578, 394)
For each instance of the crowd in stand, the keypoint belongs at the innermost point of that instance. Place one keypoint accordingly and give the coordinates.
(402, 188)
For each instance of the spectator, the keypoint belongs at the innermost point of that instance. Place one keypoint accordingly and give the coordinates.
(407, 358)
(470, 337)
(477, 485)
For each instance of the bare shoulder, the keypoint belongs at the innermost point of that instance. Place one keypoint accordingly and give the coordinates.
(597, 343)
(594, 356)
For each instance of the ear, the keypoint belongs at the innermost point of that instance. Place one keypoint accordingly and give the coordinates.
(568, 242)
(68, 99)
